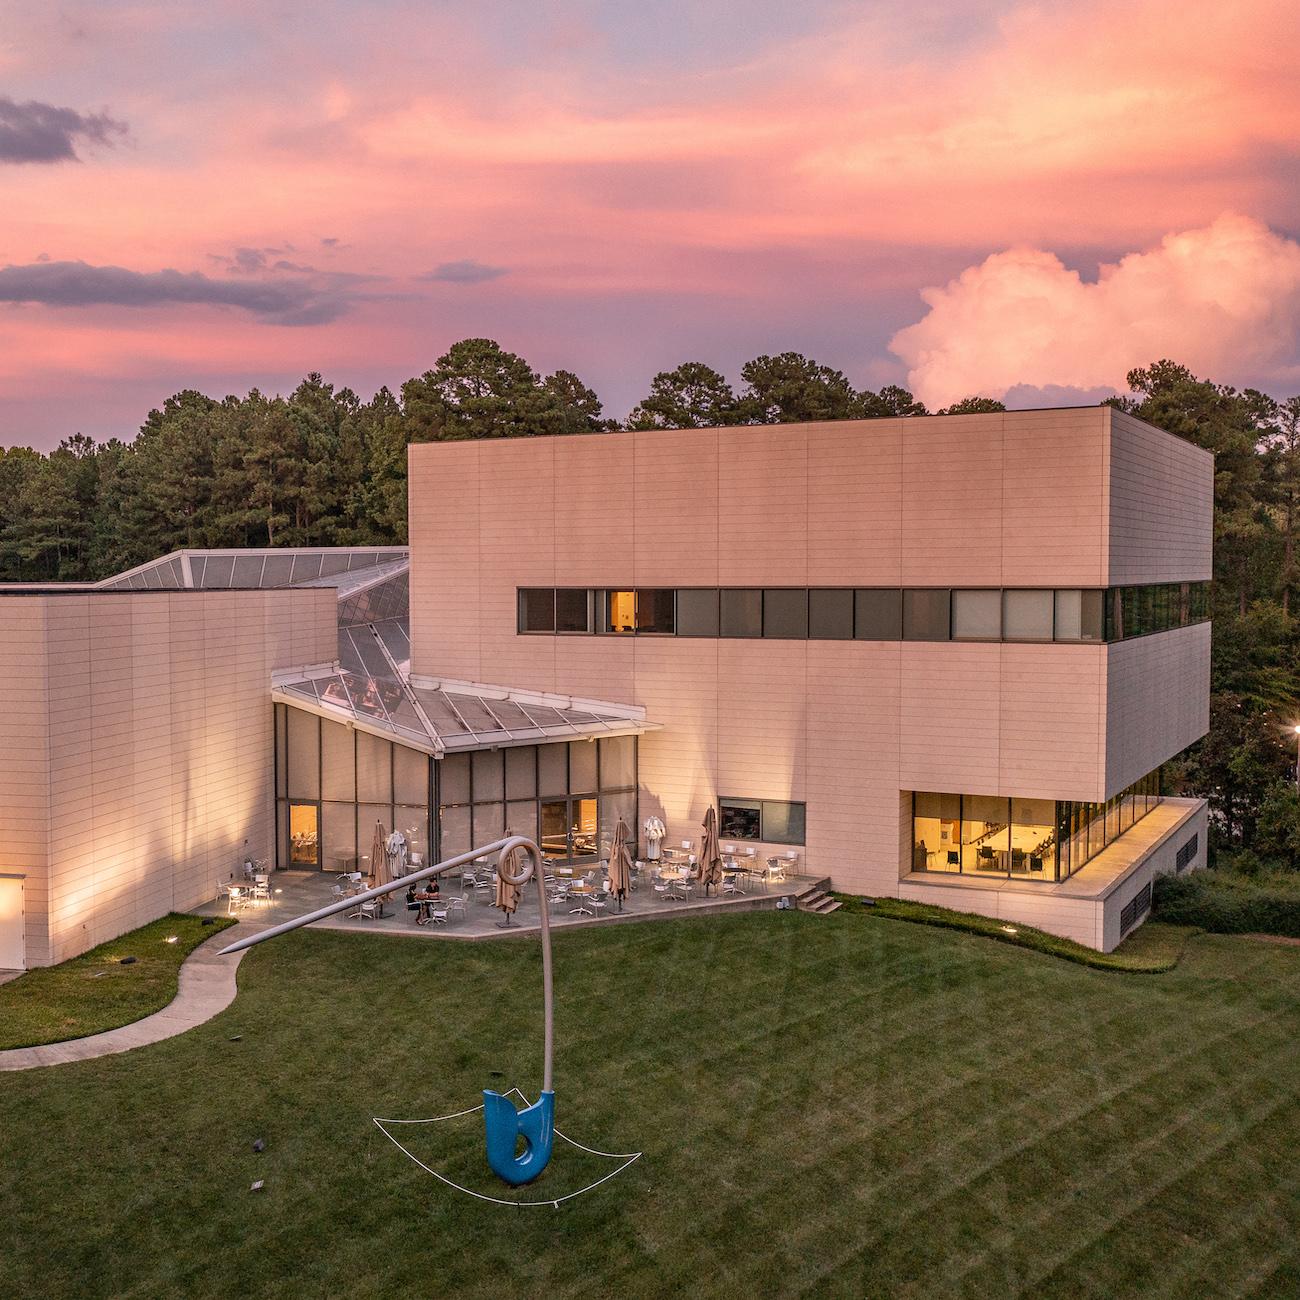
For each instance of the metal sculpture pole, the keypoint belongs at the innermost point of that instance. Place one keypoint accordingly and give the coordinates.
(503, 1124)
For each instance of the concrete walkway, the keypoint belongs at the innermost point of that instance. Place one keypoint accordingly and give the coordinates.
(206, 987)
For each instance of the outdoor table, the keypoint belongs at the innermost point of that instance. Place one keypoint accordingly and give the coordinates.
(426, 902)
(581, 892)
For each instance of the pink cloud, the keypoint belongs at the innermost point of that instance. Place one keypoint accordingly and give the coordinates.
(885, 141)
(1213, 298)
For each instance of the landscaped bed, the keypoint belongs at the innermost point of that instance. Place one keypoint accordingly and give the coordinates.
(99, 991)
(826, 1107)
(1151, 950)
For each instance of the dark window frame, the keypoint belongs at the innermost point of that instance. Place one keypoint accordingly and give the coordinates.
(1114, 613)
(745, 804)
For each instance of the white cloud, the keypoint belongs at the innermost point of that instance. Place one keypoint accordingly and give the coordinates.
(1222, 299)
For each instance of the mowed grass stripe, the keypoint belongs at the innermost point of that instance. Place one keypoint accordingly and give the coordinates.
(780, 1073)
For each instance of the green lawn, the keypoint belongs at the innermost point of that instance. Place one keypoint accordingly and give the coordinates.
(96, 991)
(832, 1105)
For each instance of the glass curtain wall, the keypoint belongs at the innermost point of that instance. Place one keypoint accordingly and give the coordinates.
(1029, 839)
(568, 795)
(333, 784)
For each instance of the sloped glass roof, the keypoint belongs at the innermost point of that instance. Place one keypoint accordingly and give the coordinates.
(370, 685)
(266, 567)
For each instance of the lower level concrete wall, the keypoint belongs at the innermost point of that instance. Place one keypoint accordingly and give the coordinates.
(1071, 918)
(1159, 862)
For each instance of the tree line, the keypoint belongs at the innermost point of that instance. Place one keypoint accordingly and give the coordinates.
(321, 467)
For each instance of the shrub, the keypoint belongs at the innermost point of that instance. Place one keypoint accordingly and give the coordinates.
(1231, 903)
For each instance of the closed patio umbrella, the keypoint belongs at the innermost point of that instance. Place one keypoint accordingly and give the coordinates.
(710, 854)
(379, 857)
(507, 895)
(620, 863)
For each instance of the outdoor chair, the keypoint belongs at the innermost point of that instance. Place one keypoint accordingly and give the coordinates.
(456, 904)
(367, 911)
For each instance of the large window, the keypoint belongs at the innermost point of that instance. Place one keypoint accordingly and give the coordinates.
(771, 821)
(1067, 614)
(353, 779)
(1028, 839)
(334, 783)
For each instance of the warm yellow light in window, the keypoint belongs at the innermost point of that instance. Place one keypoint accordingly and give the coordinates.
(622, 611)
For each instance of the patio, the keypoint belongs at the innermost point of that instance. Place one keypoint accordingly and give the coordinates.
(294, 892)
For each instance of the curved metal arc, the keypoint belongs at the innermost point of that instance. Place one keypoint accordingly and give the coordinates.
(352, 900)
(535, 869)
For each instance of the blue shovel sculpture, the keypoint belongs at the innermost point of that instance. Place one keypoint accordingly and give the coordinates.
(503, 1125)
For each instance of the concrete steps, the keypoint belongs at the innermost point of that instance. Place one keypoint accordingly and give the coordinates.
(816, 897)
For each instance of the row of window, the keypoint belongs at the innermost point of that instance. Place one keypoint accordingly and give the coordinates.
(1030, 839)
(866, 613)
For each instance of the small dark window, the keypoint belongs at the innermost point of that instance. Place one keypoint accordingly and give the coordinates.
(926, 613)
(830, 614)
(740, 819)
(878, 614)
(572, 609)
(741, 612)
(697, 611)
(654, 610)
(785, 613)
(537, 609)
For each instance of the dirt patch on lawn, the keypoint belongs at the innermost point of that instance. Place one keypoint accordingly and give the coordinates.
(1285, 940)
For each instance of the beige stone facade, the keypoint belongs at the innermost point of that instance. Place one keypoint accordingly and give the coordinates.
(1085, 498)
(136, 749)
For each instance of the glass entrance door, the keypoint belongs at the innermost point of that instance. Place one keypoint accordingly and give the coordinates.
(304, 835)
(569, 829)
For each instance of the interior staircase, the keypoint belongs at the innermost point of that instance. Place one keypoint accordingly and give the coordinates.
(816, 897)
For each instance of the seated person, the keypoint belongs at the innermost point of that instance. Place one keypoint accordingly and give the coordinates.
(411, 904)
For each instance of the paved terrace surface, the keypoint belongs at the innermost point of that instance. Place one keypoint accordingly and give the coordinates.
(296, 892)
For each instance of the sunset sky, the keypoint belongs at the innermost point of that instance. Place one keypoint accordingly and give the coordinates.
(1015, 199)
